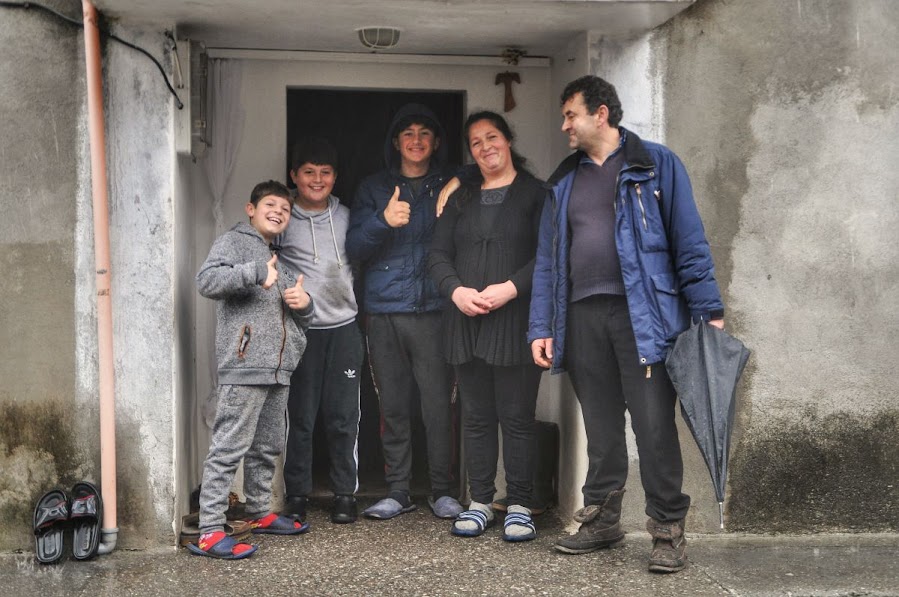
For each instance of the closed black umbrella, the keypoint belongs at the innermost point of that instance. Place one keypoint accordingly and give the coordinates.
(705, 365)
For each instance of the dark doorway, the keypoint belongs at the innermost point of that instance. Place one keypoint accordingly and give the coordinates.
(356, 122)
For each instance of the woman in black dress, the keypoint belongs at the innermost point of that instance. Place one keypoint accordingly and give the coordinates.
(482, 258)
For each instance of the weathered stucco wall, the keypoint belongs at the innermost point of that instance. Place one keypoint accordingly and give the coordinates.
(142, 206)
(633, 66)
(42, 441)
(786, 115)
(49, 427)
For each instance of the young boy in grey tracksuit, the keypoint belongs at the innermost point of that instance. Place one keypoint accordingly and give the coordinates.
(261, 318)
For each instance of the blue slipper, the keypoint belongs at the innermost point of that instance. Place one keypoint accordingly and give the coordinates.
(386, 509)
(222, 549)
(520, 519)
(274, 524)
(475, 516)
(446, 507)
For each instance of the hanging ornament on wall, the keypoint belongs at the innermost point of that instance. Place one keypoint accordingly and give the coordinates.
(507, 78)
(510, 56)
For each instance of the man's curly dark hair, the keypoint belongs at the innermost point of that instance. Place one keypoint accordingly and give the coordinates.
(597, 92)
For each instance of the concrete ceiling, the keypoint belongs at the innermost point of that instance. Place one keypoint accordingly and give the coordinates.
(466, 27)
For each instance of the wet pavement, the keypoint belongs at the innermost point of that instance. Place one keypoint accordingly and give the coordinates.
(415, 554)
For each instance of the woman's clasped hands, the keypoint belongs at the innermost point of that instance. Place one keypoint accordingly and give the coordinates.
(473, 303)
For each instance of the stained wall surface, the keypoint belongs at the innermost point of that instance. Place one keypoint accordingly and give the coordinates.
(49, 407)
(786, 115)
(41, 123)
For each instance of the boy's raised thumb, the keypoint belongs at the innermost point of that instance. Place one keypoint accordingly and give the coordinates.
(396, 195)
(273, 260)
(300, 281)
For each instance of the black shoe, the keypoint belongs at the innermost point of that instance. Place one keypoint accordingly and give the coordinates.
(343, 509)
(295, 507)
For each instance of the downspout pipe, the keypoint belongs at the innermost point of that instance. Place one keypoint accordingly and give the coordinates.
(109, 531)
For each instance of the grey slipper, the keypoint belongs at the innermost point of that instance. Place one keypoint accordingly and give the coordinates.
(445, 507)
(386, 509)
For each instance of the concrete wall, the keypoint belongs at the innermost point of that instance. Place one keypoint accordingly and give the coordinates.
(49, 427)
(144, 276)
(634, 66)
(41, 126)
(786, 115)
(569, 63)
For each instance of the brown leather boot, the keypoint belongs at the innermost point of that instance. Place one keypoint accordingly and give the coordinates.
(669, 546)
(600, 526)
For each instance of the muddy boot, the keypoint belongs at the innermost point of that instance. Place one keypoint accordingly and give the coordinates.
(600, 526)
(669, 546)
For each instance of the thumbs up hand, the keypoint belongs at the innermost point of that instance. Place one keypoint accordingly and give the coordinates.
(272, 273)
(296, 297)
(397, 212)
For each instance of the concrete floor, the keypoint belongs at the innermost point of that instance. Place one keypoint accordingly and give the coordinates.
(415, 555)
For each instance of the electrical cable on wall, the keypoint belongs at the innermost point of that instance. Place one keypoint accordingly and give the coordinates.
(103, 32)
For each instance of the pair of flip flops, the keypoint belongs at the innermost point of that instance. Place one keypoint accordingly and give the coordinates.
(482, 523)
(56, 510)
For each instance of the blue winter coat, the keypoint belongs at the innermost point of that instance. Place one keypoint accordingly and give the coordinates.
(665, 258)
(395, 260)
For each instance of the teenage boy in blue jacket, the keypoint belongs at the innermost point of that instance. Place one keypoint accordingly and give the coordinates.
(622, 266)
(391, 225)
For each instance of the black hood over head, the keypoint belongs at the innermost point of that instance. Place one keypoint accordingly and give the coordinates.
(392, 155)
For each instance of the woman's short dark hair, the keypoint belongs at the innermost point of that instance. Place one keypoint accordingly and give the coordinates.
(518, 161)
(597, 92)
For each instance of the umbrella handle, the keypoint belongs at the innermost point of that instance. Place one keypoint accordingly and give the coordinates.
(721, 514)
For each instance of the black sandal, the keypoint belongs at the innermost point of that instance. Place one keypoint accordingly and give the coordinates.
(50, 517)
(86, 513)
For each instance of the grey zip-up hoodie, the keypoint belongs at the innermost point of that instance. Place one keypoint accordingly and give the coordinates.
(259, 340)
(314, 244)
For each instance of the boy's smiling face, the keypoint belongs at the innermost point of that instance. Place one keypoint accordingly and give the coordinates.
(416, 144)
(269, 216)
(314, 185)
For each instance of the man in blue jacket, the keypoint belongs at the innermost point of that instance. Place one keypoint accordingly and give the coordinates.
(390, 232)
(622, 266)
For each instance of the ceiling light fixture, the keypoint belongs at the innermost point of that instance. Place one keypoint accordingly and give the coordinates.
(379, 38)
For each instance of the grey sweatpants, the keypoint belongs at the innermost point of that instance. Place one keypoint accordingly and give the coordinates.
(249, 424)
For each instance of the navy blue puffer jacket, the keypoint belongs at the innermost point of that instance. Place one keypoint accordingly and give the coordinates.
(394, 260)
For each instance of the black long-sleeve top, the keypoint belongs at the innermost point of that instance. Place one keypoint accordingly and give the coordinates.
(463, 253)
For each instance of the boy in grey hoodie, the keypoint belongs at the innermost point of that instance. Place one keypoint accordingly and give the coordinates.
(261, 316)
(327, 380)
